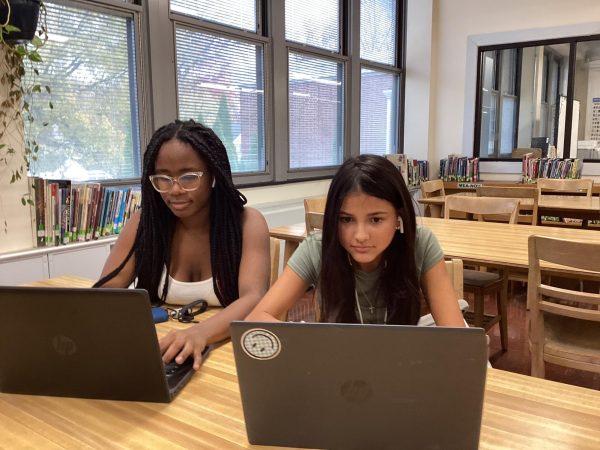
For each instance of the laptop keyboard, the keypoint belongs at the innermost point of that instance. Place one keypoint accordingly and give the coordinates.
(173, 369)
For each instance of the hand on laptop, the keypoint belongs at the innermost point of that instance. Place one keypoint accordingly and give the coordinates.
(180, 344)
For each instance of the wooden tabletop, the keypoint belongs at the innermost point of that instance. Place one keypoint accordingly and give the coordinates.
(489, 243)
(520, 412)
(485, 243)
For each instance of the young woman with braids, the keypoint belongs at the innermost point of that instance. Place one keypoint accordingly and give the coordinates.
(371, 263)
(193, 238)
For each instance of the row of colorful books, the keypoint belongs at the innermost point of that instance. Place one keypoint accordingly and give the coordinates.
(413, 171)
(534, 168)
(459, 168)
(66, 212)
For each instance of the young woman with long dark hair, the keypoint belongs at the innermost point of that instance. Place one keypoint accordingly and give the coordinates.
(193, 238)
(371, 263)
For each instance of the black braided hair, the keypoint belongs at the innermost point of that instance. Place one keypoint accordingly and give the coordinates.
(152, 245)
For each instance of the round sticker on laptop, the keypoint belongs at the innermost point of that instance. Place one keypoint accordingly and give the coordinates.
(260, 344)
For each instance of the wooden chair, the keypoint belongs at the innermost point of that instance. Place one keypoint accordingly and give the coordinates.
(566, 186)
(581, 186)
(314, 221)
(483, 207)
(520, 152)
(483, 283)
(564, 325)
(432, 188)
(527, 213)
(314, 205)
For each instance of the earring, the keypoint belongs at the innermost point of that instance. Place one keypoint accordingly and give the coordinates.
(400, 226)
(214, 182)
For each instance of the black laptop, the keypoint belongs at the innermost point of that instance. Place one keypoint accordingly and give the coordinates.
(87, 343)
(360, 386)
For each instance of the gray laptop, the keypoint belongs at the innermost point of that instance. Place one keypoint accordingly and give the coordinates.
(87, 343)
(360, 386)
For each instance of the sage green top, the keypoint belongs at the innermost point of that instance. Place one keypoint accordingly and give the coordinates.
(306, 263)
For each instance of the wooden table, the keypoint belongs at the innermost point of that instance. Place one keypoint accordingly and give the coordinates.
(482, 243)
(520, 412)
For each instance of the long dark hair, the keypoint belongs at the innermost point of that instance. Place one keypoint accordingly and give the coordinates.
(152, 245)
(398, 282)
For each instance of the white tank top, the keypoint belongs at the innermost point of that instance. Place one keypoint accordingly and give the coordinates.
(182, 293)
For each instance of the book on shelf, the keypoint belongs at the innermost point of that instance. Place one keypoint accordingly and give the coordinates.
(534, 168)
(413, 171)
(459, 168)
(64, 212)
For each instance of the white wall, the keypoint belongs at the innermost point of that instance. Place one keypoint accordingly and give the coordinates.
(457, 26)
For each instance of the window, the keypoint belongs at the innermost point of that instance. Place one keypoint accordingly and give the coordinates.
(292, 87)
(220, 85)
(90, 67)
(539, 96)
(313, 22)
(220, 77)
(315, 111)
(380, 77)
(235, 13)
(315, 84)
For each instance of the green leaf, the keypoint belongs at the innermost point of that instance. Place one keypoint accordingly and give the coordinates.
(30, 202)
(34, 56)
(37, 42)
(36, 88)
(47, 89)
(50, 105)
(11, 28)
(23, 202)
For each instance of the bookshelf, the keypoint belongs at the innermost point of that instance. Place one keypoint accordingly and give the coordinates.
(460, 169)
(84, 259)
(413, 171)
(452, 187)
(557, 168)
(64, 212)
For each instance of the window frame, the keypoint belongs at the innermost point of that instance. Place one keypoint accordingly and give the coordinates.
(572, 41)
(155, 28)
(128, 9)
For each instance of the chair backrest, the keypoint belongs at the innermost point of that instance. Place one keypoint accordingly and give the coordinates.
(515, 192)
(275, 249)
(481, 207)
(314, 221)
(564, 324)
(454, 267)
(520, 152)
(432, 188)
(543, 297)
(314, 205)
(565, 186)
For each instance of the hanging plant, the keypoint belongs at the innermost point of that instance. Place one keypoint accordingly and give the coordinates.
(20, 48)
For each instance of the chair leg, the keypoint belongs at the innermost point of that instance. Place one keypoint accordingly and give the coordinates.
(538, 368)
(478, 308)
(501, 301)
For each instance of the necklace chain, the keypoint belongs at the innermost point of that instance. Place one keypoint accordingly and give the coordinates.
(371, 306)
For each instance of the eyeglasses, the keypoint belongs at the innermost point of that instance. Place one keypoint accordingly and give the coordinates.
(189, 181)
(187, 313)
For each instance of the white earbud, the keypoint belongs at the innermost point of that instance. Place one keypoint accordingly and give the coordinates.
(214, 182)
(400, 226)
